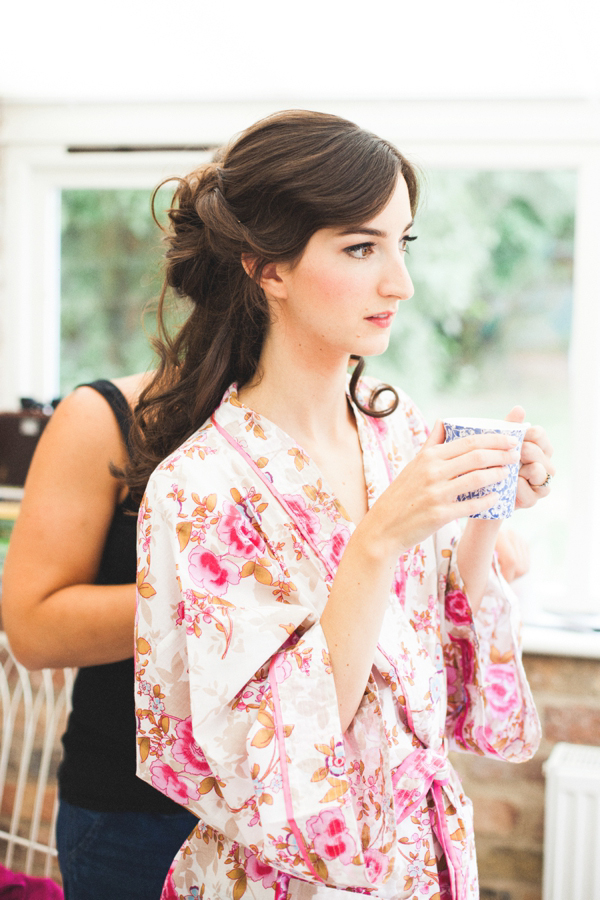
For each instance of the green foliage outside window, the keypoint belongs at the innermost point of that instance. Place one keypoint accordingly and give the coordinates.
(111, 277)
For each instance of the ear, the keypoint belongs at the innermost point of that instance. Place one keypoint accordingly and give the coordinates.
(270, 279)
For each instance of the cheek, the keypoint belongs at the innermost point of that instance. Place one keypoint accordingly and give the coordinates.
(334, 286)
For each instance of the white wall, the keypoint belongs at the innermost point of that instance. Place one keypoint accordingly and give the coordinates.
(322, 49)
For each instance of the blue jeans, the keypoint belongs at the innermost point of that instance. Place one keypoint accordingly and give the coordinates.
(117, 856)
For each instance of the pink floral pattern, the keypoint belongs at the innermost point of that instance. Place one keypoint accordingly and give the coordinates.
(168, 891)
(303, 513)
(457, 608)
(330, 836)
(232, 666)
(333, 548)
(258, 871)
(187, 751)
(176, 786)
(502, 689)
(377, 864)
(211, 572)
(243, 540)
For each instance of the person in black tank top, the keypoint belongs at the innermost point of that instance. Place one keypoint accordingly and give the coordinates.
(116, 835)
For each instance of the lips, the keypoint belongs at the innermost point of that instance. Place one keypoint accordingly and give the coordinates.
(383, 320)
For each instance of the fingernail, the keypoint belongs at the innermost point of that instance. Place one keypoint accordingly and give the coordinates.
(512, 441)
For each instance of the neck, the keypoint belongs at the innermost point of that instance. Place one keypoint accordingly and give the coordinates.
(306, 397)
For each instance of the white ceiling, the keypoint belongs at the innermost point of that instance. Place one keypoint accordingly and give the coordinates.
(144, 50)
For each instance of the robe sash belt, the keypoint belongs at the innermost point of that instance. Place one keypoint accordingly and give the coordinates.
(421, 772)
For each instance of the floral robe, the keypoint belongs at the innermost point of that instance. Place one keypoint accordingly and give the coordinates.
(239, 540)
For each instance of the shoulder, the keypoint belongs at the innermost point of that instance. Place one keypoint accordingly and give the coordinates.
(200, 460)
(82, 417)
(85, 412)
(131, 386)
(73, 458)
(83, 430)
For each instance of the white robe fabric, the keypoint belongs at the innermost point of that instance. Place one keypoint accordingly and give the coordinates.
(239, 539)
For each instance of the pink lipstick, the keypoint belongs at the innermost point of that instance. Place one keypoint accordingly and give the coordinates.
(382, 320)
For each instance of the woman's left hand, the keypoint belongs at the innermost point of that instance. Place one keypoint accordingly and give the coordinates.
(536, 462)
(512, 551)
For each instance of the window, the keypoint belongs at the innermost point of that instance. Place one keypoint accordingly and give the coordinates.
(501, 325)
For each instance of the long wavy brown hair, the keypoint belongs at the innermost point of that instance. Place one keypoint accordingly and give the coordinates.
(262, 198)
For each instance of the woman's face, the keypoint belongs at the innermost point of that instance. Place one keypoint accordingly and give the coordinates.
(343, 294)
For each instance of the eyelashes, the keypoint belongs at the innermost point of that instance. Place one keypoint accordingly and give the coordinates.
(364, 249)
(360, 251)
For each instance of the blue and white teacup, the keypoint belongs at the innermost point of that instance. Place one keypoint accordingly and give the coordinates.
(506, 489)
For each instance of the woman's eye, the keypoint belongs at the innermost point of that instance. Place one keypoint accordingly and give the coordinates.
(360, 251)
(405, 242)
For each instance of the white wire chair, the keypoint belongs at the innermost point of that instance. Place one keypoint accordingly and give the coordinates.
(35, 706)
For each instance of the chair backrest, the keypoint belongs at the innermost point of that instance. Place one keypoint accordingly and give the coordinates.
(34, 707)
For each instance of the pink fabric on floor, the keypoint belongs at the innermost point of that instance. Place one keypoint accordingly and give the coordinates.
(16, 886)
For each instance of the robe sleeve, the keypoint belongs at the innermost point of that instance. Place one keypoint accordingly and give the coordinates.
(236, 704)
(490, 707)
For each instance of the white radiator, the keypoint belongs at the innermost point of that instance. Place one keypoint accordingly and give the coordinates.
(572, 823)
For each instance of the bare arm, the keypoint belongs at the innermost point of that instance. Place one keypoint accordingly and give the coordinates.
(53, 614)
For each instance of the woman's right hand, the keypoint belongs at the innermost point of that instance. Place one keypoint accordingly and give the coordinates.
(423, 497)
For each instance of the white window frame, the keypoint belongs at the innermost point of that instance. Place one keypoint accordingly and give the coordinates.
(452, 134)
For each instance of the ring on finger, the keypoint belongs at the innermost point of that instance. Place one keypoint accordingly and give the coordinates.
(545, 483)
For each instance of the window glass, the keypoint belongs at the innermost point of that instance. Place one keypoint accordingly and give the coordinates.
(111, 278)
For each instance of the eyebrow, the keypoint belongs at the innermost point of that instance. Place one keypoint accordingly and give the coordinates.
(373, 232)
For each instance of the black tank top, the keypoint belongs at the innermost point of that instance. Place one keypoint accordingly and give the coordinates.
(98, 767)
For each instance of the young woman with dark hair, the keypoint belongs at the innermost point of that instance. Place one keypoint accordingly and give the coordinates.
(314, 631)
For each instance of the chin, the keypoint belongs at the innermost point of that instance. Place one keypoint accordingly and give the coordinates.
(371, 348)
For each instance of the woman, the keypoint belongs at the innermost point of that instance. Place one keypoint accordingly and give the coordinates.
(313, 630)
(68, 600)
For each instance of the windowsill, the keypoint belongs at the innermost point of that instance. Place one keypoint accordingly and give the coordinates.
(574, 634)
(551, 640)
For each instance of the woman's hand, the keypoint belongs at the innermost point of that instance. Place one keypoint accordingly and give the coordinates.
(423, 496)
(513, 554)
(536, 463)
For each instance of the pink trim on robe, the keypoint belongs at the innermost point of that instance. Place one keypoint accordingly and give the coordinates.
(287, 794)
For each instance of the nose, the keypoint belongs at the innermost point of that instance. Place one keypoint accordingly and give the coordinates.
(395, 280)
